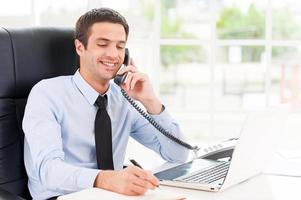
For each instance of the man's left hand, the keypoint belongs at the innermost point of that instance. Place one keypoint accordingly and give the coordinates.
(138, 86)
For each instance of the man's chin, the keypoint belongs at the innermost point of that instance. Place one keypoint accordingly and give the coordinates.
(107, 75)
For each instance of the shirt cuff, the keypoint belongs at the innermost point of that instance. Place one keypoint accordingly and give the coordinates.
(86, 178)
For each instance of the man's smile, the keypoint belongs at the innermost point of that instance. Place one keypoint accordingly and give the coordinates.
(109, 64)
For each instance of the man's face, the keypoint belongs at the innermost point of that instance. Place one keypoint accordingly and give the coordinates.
(104, 53)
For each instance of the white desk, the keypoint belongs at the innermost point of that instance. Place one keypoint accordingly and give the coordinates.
(262, 187)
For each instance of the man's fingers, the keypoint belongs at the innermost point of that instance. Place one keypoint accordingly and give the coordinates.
(128, 81)
(138, 189)
(129, 68)
(152, 179)
(140, 182)
(130, 181)
(143, 183)
(132, 79)
(136, 77)
(148, 176)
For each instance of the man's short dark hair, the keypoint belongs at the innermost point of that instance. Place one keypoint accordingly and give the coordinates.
(86, 21)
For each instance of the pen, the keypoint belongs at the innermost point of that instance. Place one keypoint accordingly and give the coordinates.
(134, 162)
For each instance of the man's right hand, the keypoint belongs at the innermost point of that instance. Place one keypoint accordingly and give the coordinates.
(129, 181)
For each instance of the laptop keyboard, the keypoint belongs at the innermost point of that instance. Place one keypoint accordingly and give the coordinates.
(209, 175)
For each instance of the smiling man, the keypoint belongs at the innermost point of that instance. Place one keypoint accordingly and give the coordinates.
(77, 127)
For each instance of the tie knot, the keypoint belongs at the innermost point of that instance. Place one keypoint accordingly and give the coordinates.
(101, 102)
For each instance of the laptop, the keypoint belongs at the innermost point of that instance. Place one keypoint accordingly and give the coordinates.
(255, 146)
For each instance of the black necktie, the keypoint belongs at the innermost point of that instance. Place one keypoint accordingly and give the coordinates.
(103, 135)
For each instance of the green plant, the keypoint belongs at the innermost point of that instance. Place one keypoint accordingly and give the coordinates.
(232, 23)
(172, 27)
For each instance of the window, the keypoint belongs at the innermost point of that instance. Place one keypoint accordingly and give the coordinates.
(210, 61)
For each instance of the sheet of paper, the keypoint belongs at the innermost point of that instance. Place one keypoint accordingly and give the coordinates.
(96, 194)
(291, 154)
(281, 165)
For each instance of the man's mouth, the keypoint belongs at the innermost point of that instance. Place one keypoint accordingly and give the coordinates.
(108, 64)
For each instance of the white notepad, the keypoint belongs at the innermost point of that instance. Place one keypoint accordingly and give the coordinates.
(96, 194)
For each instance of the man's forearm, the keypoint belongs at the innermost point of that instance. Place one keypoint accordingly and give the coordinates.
(153, 107)
(59, 176)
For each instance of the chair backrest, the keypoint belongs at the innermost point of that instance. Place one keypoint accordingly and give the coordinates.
(27, 55)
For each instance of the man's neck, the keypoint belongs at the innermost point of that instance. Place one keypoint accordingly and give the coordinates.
(101, 86)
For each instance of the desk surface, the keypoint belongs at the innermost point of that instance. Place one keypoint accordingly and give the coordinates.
(263, 187)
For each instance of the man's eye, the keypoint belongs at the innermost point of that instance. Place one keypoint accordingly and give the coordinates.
(101, 45)
(120, 47)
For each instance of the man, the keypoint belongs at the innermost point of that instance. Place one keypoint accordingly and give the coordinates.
(61, 152)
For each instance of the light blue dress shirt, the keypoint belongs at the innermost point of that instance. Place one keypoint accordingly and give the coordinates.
(59, 147)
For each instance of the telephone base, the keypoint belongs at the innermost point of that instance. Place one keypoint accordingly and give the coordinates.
(218, 151)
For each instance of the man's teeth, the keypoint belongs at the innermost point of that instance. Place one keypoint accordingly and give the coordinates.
(109, 64)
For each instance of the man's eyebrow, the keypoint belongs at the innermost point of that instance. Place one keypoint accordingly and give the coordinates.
(108, 40)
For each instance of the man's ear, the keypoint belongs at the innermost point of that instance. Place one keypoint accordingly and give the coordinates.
(79, 47)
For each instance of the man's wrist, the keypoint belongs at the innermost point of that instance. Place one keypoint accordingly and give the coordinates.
(162, 108)
(100, 179)
(97, 180)
(155, 107)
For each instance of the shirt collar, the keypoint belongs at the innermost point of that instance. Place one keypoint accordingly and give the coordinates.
(86, 89)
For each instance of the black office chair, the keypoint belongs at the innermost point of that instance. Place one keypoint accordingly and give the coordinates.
(27, 55)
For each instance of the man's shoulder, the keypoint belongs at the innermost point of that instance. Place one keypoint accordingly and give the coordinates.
(58, 81)
(52, 85)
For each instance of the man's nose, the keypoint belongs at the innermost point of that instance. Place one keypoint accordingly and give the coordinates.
(112, 52)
